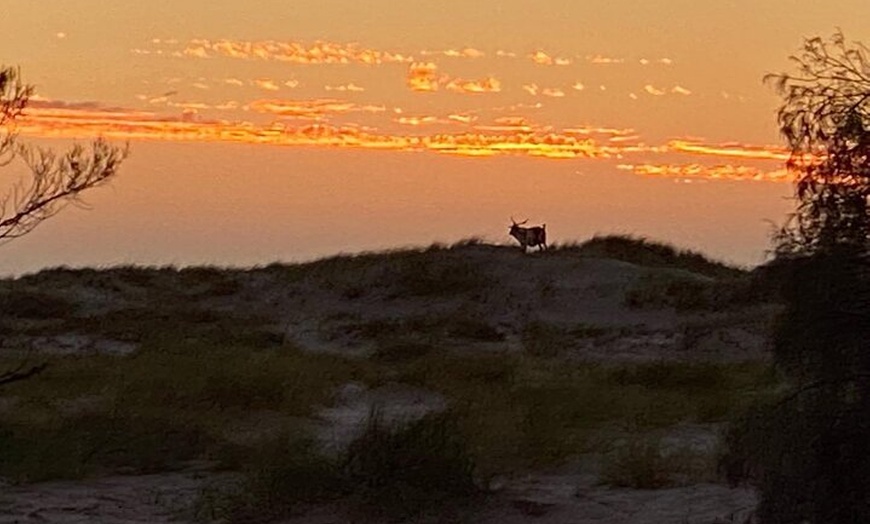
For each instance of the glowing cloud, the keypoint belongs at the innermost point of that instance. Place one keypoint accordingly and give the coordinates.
(680, 90)
(714, 172)
(514, 134)
(653, 90)
(531, 89)
(417, 120)
(292, 52)
(542, 58)
(730, 150)
(553, 92)
(266, 84)
(198, 52)
(598, 59)
(486, 85)
(468, 52)
(351, 87)
(316, 109)
(462, 119)
(422, 76)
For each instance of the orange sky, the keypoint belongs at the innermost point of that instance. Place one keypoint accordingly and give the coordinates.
(428, 114)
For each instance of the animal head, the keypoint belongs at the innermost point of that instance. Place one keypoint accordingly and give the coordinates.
(515, 227)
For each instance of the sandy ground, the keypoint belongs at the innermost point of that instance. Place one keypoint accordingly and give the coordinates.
(544, 499)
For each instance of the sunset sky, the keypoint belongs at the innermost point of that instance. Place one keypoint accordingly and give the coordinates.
(289, 130)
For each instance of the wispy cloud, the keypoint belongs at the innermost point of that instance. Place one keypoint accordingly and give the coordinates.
(418, 120)
(507, 135)
(553, 92)
(485, 85)
(542, 58)
(422, 76)
(462, 118)
(731, 149)
(295, 52)
(467, 52)
(316, 109)
(601, 60)
(351, 87)
(267, 84)
(649, 88)
(708, 172)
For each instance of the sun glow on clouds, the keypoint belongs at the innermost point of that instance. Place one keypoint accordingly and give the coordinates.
(507, 135)
(715, 172)
(460, 103)
(422, 76)
(292, 52)
(311, 109)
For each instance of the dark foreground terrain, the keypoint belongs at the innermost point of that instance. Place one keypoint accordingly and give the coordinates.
(468, 383)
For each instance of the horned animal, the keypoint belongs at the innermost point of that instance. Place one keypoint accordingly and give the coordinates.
(529, 236)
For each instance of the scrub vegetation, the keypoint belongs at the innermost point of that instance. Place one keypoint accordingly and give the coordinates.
(162, 369)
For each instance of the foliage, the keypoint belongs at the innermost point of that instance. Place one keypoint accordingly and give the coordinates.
(282, 477)
(55, 180)
(648, 253)
(825, 117)
(414, 468)
(417, 467)
(808, 453)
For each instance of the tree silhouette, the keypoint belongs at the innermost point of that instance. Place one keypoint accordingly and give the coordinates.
(808, 452)
(55, 179)
(824, 118)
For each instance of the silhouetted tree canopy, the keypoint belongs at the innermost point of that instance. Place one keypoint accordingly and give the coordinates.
(54, 181)
(825, 118)
(808, 451)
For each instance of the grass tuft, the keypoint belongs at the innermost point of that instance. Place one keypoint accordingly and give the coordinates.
(415, 468)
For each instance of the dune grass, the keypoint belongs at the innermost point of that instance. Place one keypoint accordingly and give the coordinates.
(91, 414)
(155, 409)
(222, 385)
(650, 253)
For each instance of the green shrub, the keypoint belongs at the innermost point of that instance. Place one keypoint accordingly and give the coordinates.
(434, 273)
(417, 467)
(648, 253)
(668, 290)
(284, 476)
(20, 303)
(98, 443)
